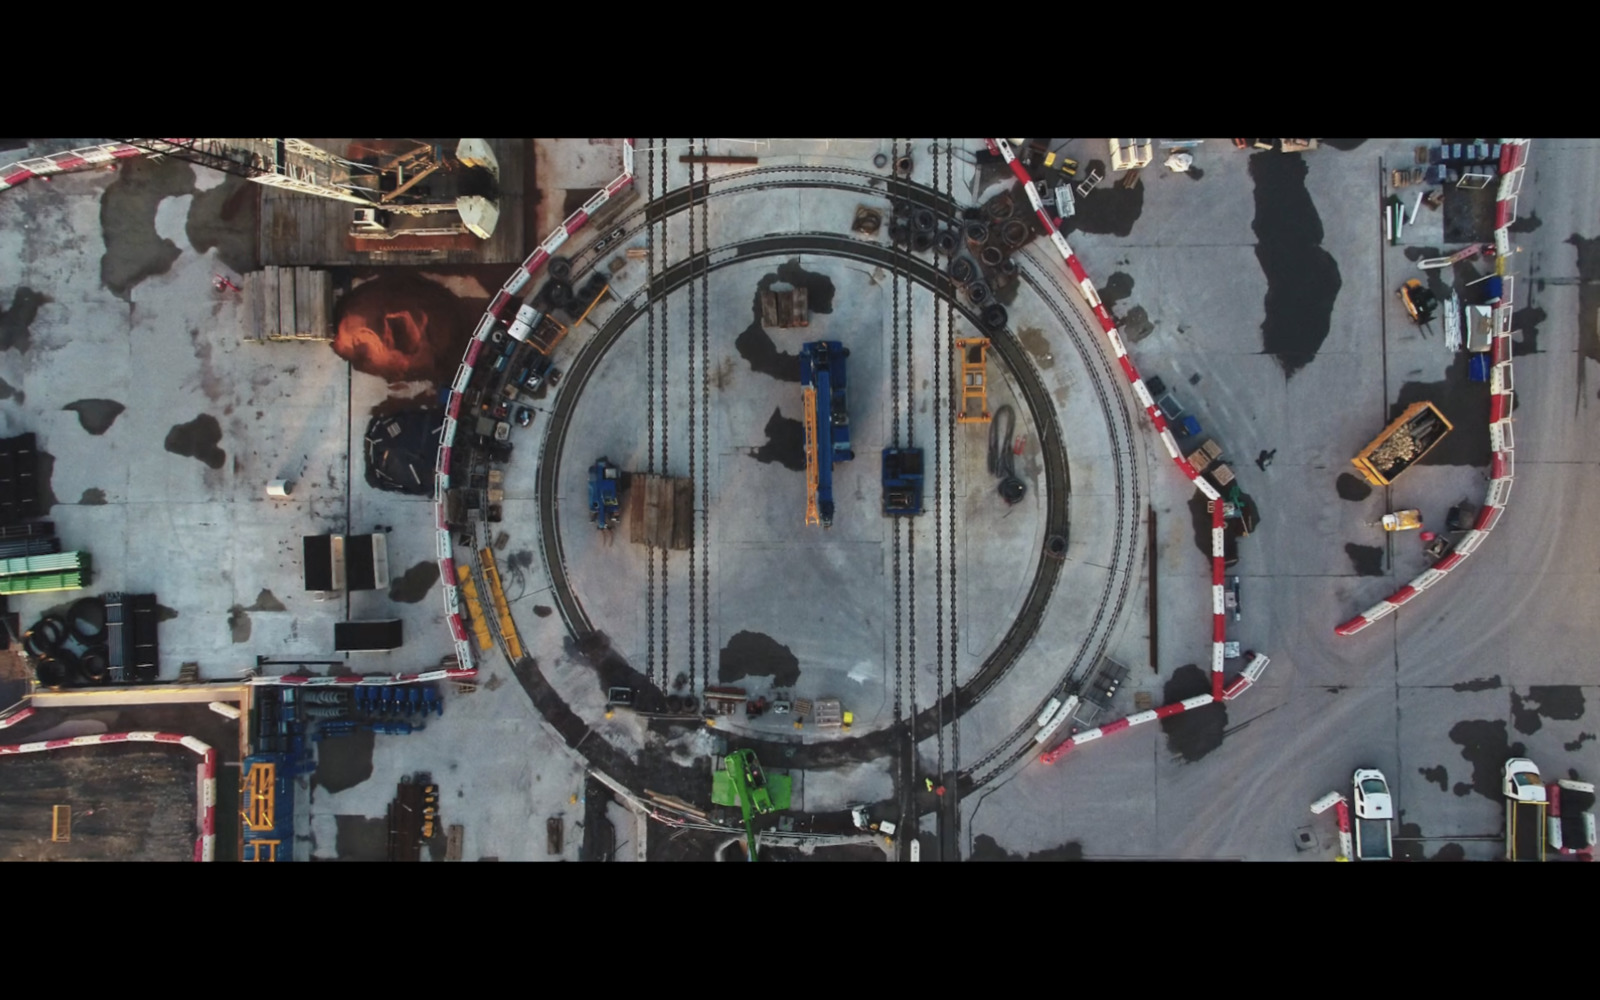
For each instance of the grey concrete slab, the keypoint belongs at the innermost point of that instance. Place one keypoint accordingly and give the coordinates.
(1460, 738)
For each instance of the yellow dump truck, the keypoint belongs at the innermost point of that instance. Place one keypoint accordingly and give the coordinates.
(1403, 443)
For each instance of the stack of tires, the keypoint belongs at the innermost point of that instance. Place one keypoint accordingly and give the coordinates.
(70, 651)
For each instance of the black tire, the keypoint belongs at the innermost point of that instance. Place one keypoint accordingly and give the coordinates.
(559, 294)
(691, 704)
(1056, 547)
(45, 637)
(902, 210)
(903, 166)
(560, 268)
(978, 293)
(1012, 491)
(899, 233)
(999, 209)
(1008, 267)
(947, 243)
(49, 672)
(962, 270)
(1014, 233)
(923, 220)
(73, 667)
(991, 256)
(96, 665)
(977, 234)
(674, 704)
(922, 242)
(881, 160)
(88, 619)
(994, 317)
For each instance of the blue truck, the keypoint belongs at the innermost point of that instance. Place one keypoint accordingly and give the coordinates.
(604, 508)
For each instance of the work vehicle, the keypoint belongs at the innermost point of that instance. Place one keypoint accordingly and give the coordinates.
(1374, 815)
(524, 416)
(1403, 443)
(827, 423)
(1571, 818)
(902, 482)
(744, 771)
(1403, 520)
(1526, 801)
(1419, 302)
(604, 507)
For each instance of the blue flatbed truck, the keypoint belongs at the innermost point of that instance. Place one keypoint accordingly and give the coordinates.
(823, 381)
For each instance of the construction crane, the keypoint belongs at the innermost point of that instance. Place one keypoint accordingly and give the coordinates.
(827, 423)
(381, 184)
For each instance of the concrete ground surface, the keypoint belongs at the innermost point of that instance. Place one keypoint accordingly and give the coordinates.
(1258, 287)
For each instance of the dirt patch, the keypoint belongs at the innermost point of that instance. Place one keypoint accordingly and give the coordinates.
(1037, 345)
(1436, 774)
(1450, 852)
(344, 762)
(9, 391)
(986, 848)
(1108, 210)
(756, 345)
(1560, 702)
(1191, 735)
(1136, 325)
(239, 623)
(1366, 560)
(401, 328)
(413, 585)
(16, 321)
(1352, 487)
(361, 838)
(92, 497)
(1484, 744)
(198, 439)
(1526, 223)
(1574, 746)
(164, 613)
(1588, 304)
(611, 670)
(542, 611)
(266, 601)
(754, 654)
(786, 443)
(1481, 684)
(134, 251)
(1302, 278)
(96, 415)
(1464, 403)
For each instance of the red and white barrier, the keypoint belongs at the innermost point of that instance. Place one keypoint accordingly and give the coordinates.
(499, 308)
(1341, 808)
(1137, 719)
(1219, 627)
(16, 717)
(1585, 851)
(205, 847)
(61, 163)
(1502, 467)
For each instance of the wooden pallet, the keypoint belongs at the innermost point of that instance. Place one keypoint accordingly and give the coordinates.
(452, 842)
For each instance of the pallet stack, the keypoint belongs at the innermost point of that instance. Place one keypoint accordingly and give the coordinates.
(290, 303)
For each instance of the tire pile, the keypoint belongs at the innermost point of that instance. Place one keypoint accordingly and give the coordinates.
(71, 651)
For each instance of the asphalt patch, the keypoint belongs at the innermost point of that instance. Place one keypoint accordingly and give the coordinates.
(750, 654)
(1037, 345)
(198, 439)
(239, 623)
(542, 611)
(1118, 286)
(413, 585)
(1352, 487)
(1575, 745)
(1485, 745)
(1366, 560)
(361, 838)
(1302, 278)
(1135, 325)
(1436, 774)
(1558, 702)
(1481, 684)
(1193, 734)
(786, 443)
(1108, 210)
(1526, 223)
(92, 497)
(1526, 322)
(134, 251)
(986, 848)
(1588, 304)
(344, 762)
(267, 601)
(16, 321)
(96, 415)
(1450, 852)
(1408, 849)
(9, 391)
(226, 217)
(1265, 458)
(1194, 173)
(1464, 403)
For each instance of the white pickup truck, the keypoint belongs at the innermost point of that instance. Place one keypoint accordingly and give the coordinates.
(1374, 815)
(1526, 800)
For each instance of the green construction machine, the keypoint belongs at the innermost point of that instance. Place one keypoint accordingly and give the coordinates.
(741, 782)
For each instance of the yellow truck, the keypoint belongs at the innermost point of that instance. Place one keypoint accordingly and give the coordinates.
(1402, 444)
